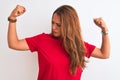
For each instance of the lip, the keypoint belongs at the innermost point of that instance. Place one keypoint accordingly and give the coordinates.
(54, 31)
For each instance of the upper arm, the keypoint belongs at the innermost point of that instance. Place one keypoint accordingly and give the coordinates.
(19, 45)
(97, 53)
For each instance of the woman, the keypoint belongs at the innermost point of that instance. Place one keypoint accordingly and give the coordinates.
(61, 53)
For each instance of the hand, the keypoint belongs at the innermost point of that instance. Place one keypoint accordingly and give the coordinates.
(19, 10)
(100, 23)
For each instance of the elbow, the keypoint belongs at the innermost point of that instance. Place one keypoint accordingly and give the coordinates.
(105, 54)
(106, 57)
(10, 46)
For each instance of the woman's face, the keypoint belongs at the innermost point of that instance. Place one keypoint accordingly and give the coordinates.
(56, 25)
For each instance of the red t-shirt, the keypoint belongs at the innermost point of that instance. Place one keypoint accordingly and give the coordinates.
(53, 59)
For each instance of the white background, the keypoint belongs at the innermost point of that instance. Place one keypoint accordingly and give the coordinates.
(22, 65)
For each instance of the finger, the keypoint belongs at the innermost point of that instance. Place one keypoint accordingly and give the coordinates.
(20, 10)
(98, 21)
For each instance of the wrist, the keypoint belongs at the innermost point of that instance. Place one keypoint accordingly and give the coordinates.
(104, 29)
(12, 19)
(104, 32)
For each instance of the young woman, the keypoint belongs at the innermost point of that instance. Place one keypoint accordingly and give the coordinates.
(61, 53)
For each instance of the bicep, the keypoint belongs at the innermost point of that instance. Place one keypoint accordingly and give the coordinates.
(97, 53)
(20, 45)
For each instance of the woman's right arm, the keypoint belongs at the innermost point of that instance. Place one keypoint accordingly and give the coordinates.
(13, 41)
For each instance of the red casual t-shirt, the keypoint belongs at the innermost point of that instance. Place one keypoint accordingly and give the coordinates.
(53, 59)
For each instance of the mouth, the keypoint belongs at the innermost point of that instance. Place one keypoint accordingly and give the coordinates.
(54, 32)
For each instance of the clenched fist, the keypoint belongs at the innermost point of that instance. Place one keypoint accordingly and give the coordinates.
(19, 10)
(100, 23)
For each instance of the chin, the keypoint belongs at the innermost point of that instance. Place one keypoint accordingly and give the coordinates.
(56, 35)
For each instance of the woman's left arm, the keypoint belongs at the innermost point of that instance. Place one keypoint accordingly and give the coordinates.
(104, 51)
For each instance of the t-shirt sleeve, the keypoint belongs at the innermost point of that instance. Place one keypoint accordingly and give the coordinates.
(89, 49)
(33, 42)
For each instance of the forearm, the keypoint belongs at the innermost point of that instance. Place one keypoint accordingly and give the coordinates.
(105, 46)
(12, 35)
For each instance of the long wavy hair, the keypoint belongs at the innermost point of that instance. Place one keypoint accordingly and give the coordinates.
(72, 36)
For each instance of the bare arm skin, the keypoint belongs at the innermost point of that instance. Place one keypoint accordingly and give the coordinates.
(13, 41)
(104, 51)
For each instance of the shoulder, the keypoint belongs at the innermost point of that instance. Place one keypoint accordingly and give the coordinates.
(89, 48)
(46, 34)
(38, 37)
(42, 35)
(88, 45)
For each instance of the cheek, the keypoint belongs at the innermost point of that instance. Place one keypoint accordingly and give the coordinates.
(59, 30)
(58, 33)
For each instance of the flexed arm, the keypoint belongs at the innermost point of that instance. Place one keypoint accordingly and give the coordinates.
(104, 51)
(13, 41)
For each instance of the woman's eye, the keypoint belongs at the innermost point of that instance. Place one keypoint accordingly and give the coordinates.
(52, 22)
(59, 25)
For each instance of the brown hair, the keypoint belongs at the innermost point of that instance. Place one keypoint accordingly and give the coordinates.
(72, 37)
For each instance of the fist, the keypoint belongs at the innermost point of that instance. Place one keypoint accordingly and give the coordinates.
(19, 10)
(100, 23)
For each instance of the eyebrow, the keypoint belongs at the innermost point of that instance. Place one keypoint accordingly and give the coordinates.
(55, 22)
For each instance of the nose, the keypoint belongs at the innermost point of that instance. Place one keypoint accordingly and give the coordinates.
(54, 26)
